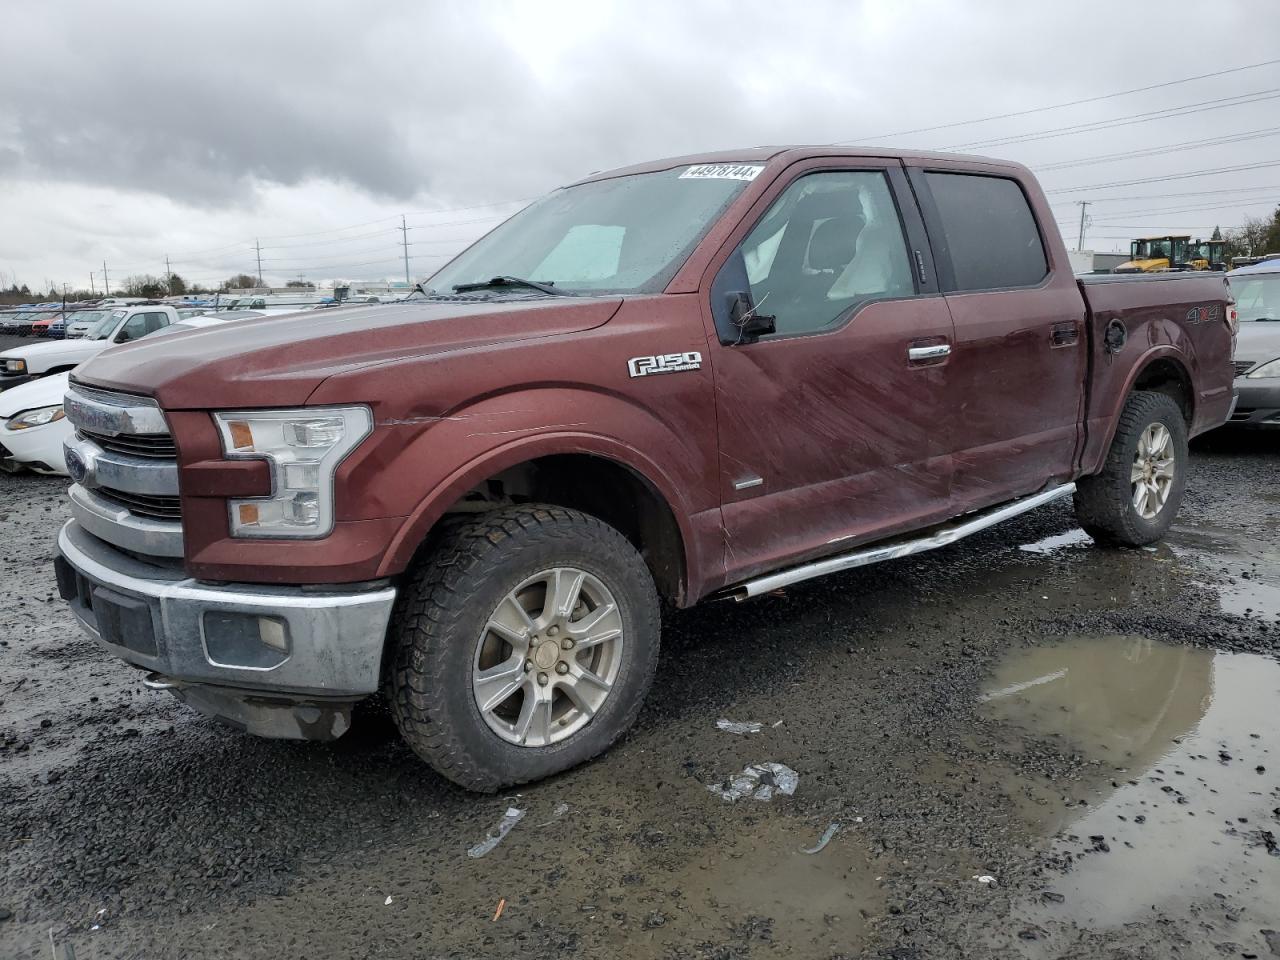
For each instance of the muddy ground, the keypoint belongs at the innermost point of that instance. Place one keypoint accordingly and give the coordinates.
(1030, 747)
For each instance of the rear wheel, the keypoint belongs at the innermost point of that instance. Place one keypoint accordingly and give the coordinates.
(524, 645)
(1134, 499)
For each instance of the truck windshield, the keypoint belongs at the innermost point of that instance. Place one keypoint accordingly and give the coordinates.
(622, 235)
(104, 328)
(1257, 297)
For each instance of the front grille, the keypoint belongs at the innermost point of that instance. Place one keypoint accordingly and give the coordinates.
(144, 505)
(1244, 366)
(160, 446)
(131, 432)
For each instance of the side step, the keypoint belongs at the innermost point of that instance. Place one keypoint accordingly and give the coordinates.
(939, 536)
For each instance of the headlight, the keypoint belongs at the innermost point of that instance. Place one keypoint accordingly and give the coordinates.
(15, 366)
(35, 418)
(303, 448)
(1269, 369)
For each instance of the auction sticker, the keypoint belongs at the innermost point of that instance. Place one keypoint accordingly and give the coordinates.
(723, 171)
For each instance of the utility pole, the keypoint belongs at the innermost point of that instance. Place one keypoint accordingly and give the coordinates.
(1084, 204)
(257, 246)
(404, 233)
(92, 289)
(106, 284)
(168, 275)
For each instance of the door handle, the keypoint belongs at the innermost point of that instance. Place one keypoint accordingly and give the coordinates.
(1064, 334)
(936, 352)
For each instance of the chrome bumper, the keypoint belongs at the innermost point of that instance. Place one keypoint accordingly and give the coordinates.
(158, 619)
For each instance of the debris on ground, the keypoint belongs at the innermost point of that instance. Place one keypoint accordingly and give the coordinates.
(502, 905)
(984, 878)
(739, 726)
(827, 834)
(509, 820)
(759, 781)
(560, 810)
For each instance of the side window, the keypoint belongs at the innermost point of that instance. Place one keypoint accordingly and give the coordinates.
(153, 322)
(133, 328)
(832, 241)
(989, 231)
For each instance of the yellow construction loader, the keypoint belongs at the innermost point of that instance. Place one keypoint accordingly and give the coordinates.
(1157, 254)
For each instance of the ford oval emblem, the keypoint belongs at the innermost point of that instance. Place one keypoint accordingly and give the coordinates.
(76, 466)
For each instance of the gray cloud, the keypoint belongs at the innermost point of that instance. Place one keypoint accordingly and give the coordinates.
(179, 127)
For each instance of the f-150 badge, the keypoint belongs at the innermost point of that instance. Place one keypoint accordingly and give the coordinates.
(665, 363)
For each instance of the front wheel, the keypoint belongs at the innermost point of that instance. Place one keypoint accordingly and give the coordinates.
(1134, 499)
(523, 646)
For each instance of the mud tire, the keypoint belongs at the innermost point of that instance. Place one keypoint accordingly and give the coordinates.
(441, 612)
(1104, 502)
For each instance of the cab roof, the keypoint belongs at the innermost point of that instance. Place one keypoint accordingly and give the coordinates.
(784, 155)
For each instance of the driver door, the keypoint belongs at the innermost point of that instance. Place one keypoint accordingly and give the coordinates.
(829, 426)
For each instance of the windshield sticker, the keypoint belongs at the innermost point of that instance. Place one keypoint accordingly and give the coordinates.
(723, 171)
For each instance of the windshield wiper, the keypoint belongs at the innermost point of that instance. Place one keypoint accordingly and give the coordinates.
(509, 282)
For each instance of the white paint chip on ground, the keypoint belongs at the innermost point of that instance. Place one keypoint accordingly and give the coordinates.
(513, 816)
(739, 726)
(758, 781)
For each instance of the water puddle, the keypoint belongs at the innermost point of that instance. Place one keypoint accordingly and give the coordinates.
(1254, 585)
(808, 904)
(1187, 814)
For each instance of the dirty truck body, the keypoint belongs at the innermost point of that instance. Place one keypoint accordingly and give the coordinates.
(729, 373)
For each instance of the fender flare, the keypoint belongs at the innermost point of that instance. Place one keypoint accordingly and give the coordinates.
(1162, 351)
(435, 502)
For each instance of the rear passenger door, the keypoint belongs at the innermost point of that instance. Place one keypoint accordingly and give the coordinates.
(1016, 372)
(829, 427)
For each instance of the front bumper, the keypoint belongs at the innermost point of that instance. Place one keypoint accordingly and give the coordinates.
(201, 641)
(38, 448)
(10, 380)
(1257, 403)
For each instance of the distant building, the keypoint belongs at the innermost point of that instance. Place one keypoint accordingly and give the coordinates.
(1091, 261)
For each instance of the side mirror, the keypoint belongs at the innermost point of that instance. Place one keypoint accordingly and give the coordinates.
(751, 324)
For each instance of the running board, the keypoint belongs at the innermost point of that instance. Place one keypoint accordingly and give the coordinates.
(940, 536)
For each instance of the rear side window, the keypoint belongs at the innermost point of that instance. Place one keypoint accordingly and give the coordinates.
(988, 230)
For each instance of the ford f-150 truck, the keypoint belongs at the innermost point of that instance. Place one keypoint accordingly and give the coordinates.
(705, 377)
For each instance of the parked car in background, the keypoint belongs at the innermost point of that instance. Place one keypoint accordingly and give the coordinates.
(1257, 362)
(19, 324)
(21, 364)
(33, 427)
(41, 324)
(82, 321)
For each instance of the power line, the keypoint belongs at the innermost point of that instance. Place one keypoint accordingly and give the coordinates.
(1212, 171)
(1092, 126)
(1160, 151)
(1165, 196)
(1060, 106)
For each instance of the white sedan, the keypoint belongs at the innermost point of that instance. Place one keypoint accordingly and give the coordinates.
(32, 424)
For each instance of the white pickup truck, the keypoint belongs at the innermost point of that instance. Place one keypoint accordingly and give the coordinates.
(120, 325)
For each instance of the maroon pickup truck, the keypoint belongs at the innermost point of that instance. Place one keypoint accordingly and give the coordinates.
(704, 377)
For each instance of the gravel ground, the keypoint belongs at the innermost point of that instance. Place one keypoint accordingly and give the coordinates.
(991, 729)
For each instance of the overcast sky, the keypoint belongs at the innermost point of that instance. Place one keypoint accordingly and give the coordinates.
(132, 130)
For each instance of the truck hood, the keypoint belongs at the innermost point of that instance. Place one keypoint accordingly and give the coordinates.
(42, 356)
(45, 392)
(280, 361)
(1258, 340)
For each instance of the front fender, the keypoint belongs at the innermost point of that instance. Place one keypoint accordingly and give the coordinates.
(505, 430)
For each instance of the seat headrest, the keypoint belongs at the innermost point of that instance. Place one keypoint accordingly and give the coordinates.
(834, 242)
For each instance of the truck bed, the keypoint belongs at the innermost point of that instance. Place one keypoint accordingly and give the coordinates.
(1177, 319)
